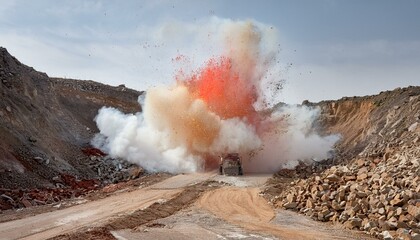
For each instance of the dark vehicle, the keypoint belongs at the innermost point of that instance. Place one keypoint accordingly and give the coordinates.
(230, 164)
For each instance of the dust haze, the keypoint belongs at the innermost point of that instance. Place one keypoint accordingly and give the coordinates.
(218, 108)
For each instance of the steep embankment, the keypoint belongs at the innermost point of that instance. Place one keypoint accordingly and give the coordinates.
(45, 122)
(376, 185)
(368, 125)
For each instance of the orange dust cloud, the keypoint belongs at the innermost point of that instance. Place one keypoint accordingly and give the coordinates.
(221, 87)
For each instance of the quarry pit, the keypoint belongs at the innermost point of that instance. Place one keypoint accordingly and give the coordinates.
(342, 169)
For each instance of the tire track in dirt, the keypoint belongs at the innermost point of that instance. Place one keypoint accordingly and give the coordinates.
(245, 208)
(99, 212)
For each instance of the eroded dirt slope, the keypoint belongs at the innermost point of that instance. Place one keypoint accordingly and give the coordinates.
(368, 125)
(45, 122)
(374, 182)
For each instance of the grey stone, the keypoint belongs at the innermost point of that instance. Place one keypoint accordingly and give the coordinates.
(353, 222)
(386, 235)
(290, 205)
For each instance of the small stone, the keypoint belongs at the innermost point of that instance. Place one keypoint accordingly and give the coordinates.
(9, 109)
(309, 212)
(7, 197)
(336, 206)
(391, 225)
(354, 187)
(353, 223)
(290, 205)
(413, 127)
(26, 203)
(309, 203)
(397, 202)
(325, 198)
(403, 234)
(369, 225)
(415, 236)
(39, 159)
(386, 235)
(361, 194)
(407, 195)
(291, 197)
(381, 211)
(320, 216)
(374, 231)
(414, 211)
(360, 162)
(333, 178)
(362, 176)
(135, 172)
(401, 224)
(399, 211)
(403, 218)
(350, 178)
(343, 217)
(386, 156)
(329, 216)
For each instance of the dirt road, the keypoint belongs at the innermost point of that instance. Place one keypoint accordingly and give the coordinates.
(237, 212)
(244, 207)
(50, 224)
(229, 212)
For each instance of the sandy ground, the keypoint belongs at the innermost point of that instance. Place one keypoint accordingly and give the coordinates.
(233, 211)
(50, 224)
(236, 212)
(245, 208)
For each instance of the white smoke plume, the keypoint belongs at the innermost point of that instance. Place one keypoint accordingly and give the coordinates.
(215, 110)
(291, 138)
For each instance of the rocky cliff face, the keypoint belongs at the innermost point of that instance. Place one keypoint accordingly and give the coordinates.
(371, 125)
(45, 122)
(374, 185)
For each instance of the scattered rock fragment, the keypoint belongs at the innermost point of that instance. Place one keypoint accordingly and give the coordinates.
(290, 205)
(382, 198)
(353, 222)
(386, 235)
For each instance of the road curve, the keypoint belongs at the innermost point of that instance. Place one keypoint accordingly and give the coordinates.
(245, 208)
(47, 225)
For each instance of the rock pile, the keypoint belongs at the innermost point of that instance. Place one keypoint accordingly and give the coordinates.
(67, 187)
(380, 196)
(111, 170)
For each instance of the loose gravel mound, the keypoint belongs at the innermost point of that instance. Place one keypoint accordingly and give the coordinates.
(374, 185)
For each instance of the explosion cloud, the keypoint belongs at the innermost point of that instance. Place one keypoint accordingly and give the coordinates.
(214, 110)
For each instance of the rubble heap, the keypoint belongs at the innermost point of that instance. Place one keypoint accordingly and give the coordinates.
(67, 186)
(111, 170)
(373, 182)
(380, 196)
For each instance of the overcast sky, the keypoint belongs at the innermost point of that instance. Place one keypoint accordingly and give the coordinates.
(333, 48)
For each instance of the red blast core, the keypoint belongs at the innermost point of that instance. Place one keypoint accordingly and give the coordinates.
(220, 86)
(226, 92)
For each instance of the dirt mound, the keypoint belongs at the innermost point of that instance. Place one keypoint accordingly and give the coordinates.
(45, 122)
